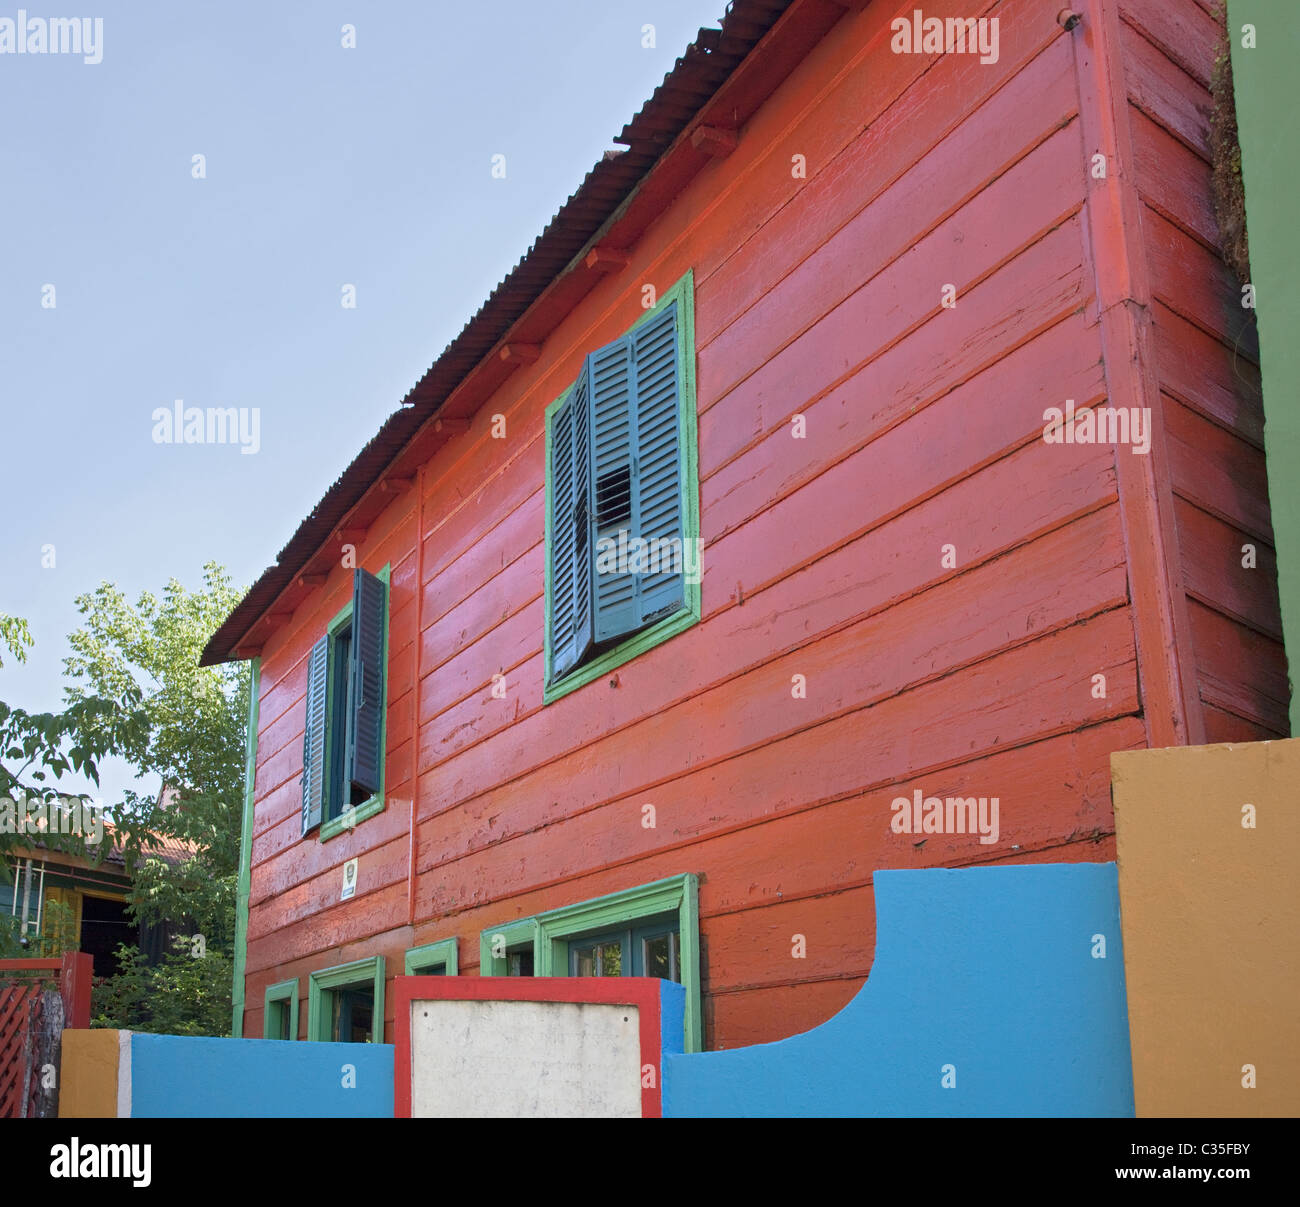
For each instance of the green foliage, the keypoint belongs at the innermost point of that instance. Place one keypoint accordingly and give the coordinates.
(16, 636)
(184, 994)
(194, 740)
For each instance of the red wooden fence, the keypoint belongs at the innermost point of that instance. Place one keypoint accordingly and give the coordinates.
(22, 994)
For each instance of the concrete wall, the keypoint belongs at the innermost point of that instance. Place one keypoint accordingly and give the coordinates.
(533, 1047)
(994, 991)
(1209, 842)
(535, 1060)
(112, 1074)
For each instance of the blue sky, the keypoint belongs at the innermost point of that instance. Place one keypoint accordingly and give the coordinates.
(324, 166)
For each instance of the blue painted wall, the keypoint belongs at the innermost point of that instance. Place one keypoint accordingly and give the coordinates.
(988, 970)
(177, 1076)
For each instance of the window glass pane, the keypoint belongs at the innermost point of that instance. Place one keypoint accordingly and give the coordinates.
(519, 963)
(282, 1020)
(351, 1012)
(611, 959)
(658, 957)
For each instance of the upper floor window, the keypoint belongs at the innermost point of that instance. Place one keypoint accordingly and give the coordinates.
(622, 515)
(343, 741)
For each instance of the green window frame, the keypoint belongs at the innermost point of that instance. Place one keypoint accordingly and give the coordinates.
(325, 982)
(600, 661)
(279, 1001)
(428, 958)
(507, 939)
(632, 911)
(335, 816)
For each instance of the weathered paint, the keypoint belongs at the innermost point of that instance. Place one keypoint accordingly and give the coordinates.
(1263, 76)
(985, 998)
(534, 1047)
(1203, 382)
(817, 297)
(1211, 947)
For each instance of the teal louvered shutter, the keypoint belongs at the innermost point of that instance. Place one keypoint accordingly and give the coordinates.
(313, 739)
(661, 584)
(570, 552)
(366, 716)
(613, 475)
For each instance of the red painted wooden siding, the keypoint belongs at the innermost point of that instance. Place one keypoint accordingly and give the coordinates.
(1208, 368)
(819, 297)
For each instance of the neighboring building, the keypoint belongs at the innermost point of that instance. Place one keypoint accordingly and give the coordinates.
(818, 314)
(94, 895)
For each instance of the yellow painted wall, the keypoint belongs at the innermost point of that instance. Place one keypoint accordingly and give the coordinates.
(88, 1075)
(1210, 909)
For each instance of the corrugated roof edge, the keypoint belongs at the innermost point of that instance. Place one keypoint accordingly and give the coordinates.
(697, 75)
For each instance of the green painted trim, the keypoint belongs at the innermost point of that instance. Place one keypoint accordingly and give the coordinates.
(245, 854)
(1263, 84)
(443, 952)
(331, 827)
(682, 292)
(351, 818)
(281, 991)
(342, 976)
(515, 934)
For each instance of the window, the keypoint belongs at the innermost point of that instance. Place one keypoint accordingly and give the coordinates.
(433, 959)
(280, 1013)
(343, 739)
(508, 950)
(346, 1003)
(651, 930)
(622, 512)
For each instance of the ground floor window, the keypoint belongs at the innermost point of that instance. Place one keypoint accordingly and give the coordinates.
(345, 1003)
(280, 1011)
(432, 959)
(650, 930)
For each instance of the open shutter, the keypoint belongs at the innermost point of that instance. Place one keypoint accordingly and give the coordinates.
(571, 554)
(657, 453)
(613, 481)
(366, 718)
(313, 740)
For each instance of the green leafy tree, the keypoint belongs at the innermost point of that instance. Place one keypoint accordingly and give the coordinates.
(183, 994)
(193, 742)
(37, 752)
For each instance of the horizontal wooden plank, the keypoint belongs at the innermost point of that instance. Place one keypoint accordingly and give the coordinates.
(1181, 31)
(1172, 180)
(1166, 93)
(1196, 283)
(1201, 373)
(1218, 472)
(1213, 572)
(1239, 669)
(1221, 726)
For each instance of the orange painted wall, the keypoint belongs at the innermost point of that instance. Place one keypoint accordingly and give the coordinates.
(1211, 926)
(822, 557)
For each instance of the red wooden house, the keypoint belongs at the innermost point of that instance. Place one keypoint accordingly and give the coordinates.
(880, 428)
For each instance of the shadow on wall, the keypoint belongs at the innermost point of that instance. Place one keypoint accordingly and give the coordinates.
(994, 991)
